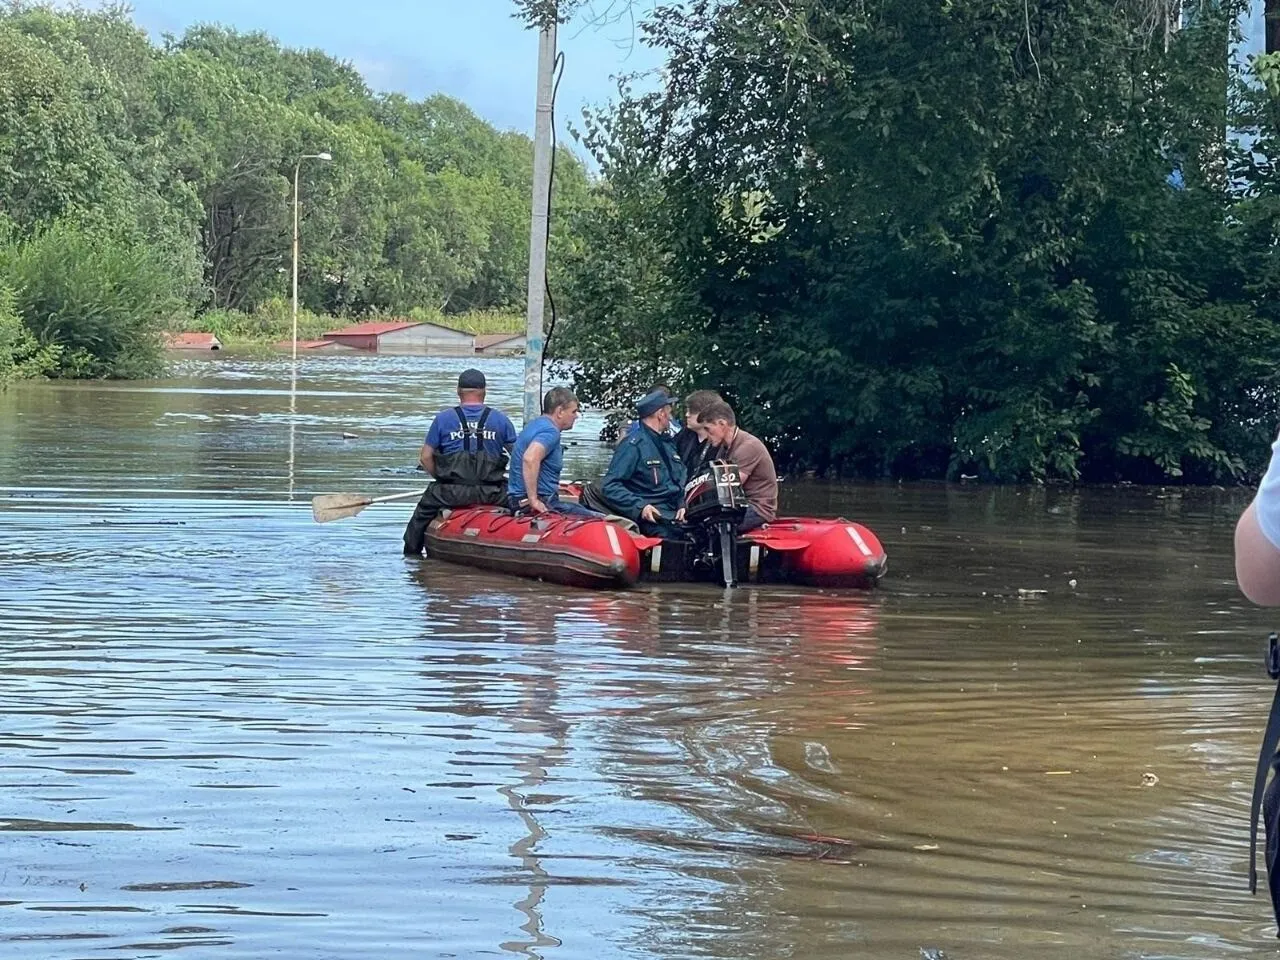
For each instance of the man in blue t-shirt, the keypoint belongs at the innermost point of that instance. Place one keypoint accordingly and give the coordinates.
(538, 458)
(466, 452)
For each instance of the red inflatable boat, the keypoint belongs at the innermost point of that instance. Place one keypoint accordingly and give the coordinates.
(823, 553)
(602, 553)
(555, 547)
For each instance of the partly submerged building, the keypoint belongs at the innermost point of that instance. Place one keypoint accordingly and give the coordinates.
(421, 337)
(315, 346)
(500, 344)
(191, 341)
(405, 336)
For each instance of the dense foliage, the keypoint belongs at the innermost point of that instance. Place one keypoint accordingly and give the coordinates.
(905, 237)
(170, 169)
(21, 355)
(100, 300)
(922, 238)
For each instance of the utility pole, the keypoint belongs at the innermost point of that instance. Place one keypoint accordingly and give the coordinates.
(538, 227)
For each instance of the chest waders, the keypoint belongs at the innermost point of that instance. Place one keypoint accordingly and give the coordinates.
(1266, 797)
(465, 478)
(472, 465)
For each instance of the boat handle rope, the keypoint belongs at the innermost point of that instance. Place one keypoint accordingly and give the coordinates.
(498, 522)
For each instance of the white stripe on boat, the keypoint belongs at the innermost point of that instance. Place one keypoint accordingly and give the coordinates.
(655, 559)
(755, 558)
(857, 538)
(613, 540)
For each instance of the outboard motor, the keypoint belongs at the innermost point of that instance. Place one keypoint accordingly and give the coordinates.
(714, 506)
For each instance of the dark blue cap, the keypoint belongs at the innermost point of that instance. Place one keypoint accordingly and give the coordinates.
(651, 403)
(471, 380)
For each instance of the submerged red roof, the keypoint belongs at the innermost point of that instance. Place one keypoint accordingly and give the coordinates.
(493, 339)
(374, 329)
(304, 344)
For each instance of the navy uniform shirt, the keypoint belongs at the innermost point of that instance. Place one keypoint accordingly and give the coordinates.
(645, 469)
(445, 435)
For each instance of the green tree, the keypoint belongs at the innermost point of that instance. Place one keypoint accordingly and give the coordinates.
(53, 159)
(921, 239)
(185, 152)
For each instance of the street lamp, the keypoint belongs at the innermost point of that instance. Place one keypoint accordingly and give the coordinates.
(325, 156)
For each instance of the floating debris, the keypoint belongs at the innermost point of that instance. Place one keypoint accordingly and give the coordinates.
(818, 757)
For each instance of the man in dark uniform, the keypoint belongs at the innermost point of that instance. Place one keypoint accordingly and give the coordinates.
(645, 479)
(466, 451)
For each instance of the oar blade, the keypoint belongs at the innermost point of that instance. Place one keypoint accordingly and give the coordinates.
(337, 506)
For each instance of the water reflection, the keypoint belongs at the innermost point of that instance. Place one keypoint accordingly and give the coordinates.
(293, 419)
(532, 669)
(536, 720)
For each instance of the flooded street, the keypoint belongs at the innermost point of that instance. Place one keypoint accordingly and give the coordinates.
(228, 729)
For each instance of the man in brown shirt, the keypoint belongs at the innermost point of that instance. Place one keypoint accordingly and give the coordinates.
(755, 465)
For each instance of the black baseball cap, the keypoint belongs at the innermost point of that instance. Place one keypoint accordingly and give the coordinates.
(471, 380)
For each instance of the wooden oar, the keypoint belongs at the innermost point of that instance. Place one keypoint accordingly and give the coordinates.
(339, 506)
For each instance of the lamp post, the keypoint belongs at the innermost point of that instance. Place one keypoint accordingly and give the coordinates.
(325, 156)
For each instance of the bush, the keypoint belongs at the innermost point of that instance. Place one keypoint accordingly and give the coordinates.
(21, 355)
(98, 300)
(477, 322)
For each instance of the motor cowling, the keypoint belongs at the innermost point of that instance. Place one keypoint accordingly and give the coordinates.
(715, 495)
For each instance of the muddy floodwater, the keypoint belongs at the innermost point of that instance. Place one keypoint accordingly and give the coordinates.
(230, 732)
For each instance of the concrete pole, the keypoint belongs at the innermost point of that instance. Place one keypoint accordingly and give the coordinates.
(538, 226)
(297, 167)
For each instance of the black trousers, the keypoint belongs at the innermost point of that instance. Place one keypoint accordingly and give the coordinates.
(437, 497)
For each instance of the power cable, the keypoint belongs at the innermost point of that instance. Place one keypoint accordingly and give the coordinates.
(558, 67)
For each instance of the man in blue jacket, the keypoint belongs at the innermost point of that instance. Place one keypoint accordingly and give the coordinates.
(645, 479)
